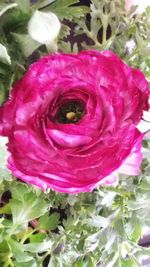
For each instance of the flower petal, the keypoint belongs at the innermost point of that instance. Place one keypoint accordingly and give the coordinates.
(131, 165)
(44, 27)
(68, 140)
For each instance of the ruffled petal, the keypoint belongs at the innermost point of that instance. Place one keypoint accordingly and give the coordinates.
(131, 165)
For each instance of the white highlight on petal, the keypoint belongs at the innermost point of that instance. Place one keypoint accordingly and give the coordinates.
(131, 165)
(44, 27)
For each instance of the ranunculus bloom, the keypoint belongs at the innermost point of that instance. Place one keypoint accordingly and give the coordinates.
(71, 121)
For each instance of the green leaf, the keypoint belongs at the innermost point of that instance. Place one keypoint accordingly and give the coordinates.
(24, 5)
(71, 12)
(38, 238)
(26, 264)
(91, 262)
(27, 44)
(98, 221)
(7, 223)
(64, 9)
(127, 263)
(46, 2)
(64, 32)
(4, 57)
(5, 209)
(28, 209)
(5, 7)
(49, 222)
(64, 3)
(92, 241)
(4, 248)
(78, 263)
(17, 250)
(19, 190)
(38, 247)
(137, 232)
(53, 262)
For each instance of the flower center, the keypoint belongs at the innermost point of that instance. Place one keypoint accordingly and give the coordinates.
(70, 112)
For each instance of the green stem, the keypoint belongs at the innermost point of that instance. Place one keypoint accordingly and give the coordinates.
(105, 25)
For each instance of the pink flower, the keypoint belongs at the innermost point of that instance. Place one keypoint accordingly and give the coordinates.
(141, 5)
(71, 121)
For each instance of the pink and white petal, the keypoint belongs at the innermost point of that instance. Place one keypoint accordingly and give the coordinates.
(131, 165)
(26, 178)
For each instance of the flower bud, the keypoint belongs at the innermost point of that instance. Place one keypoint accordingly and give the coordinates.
(44, 27)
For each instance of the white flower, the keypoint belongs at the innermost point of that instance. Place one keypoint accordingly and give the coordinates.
(44, 27)
(142, 5)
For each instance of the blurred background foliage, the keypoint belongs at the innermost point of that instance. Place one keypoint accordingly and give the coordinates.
(102, 228)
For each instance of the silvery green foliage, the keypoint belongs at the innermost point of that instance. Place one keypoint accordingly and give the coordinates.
(101, 228)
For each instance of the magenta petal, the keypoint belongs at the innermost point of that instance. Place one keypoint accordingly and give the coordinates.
(68, 140)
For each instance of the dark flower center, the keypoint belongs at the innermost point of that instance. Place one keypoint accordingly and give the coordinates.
(70, 112)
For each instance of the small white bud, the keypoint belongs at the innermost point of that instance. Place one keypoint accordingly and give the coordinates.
(44, 27)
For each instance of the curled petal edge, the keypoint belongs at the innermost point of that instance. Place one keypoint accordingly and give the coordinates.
(131, 165)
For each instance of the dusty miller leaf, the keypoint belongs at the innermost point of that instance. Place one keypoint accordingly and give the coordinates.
(28, 209)
(64, 9)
